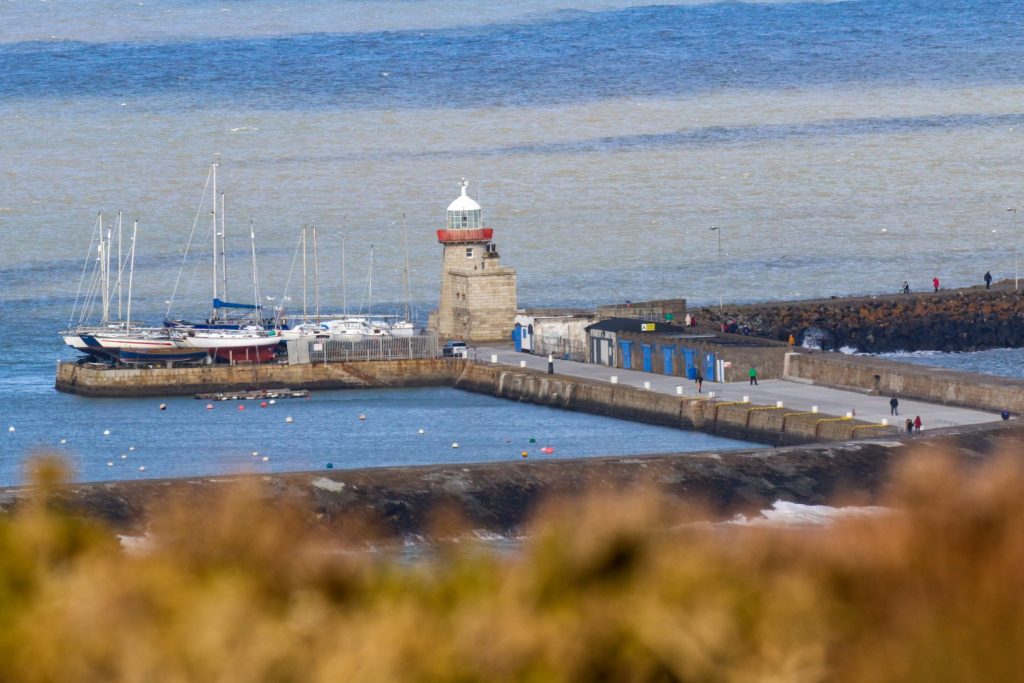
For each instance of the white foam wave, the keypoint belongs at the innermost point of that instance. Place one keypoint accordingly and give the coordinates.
(785, 513)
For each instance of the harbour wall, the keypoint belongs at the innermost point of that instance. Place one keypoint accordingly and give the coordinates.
(140, 382)
(966, 319)
(769, 425)
(888, 378)
(501, 497)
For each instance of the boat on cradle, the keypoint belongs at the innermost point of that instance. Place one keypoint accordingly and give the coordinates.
(249, 345)
(254, 395)
(119, 341)
(223, 337)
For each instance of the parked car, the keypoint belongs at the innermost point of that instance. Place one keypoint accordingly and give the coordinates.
(455, 349)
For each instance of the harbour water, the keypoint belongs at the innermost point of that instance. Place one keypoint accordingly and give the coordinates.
(841, 147)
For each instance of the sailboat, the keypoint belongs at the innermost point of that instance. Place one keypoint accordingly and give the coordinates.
(229, 340)
(120, 341)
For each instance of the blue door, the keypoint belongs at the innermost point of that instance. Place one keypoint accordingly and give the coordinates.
(709, 367)
(691, 367)
(667, 352)
(517, 336)
(627, 354)
(647, 349)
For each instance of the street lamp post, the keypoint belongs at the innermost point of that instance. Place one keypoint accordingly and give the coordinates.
(718, 230)
(1016, 248)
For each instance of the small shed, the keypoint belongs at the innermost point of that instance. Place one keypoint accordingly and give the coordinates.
(603, 337)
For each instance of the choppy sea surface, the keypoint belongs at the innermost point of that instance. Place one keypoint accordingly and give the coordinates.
(1000, 362)
(840, 147)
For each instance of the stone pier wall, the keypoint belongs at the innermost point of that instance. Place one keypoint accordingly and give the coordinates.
(888, 378)
(746, 421)
(130, 382)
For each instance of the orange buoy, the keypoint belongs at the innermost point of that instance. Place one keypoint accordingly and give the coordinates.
(263, 404)
(524, 454)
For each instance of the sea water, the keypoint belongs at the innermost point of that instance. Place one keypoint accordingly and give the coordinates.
(840, 147)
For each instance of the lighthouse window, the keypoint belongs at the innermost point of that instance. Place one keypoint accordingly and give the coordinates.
(465, 220)
(469, 252)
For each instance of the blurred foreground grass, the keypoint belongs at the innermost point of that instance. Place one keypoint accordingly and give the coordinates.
(622, 589)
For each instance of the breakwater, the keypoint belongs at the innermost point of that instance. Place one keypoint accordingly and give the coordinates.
(951, 320)
(139, 382)
(771, 425)
(501, 497)
(883, 377)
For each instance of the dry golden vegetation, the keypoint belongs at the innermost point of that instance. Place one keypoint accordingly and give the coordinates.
(601, 590)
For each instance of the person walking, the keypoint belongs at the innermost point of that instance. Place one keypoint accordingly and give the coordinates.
(894, 406)
(906, 288)
(910, 426)
(935, 283)
(699, 379)
(988, 280)
(917, 424)
(792, 340)
(753, 376)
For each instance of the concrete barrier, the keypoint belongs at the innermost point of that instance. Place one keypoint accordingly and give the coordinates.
(883, 377)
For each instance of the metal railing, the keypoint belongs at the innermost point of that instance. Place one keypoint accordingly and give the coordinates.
(376, 348)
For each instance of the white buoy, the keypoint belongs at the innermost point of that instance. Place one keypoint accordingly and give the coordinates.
(271, 401)
(455, 444)
(131, 448)
(124, 457)
(106, 432)
(266, 459)
(142, 468)
(11, 429)
(63, 441)
(420, 431)
(255, 454)
(110, 464)
(361, 416)
(289, 420)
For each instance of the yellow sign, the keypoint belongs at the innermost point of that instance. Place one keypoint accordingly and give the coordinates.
(647, 327)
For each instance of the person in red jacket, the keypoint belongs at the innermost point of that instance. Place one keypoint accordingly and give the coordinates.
(917, 424)
(935, 283)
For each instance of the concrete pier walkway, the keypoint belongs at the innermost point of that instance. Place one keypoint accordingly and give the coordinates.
(794, 395)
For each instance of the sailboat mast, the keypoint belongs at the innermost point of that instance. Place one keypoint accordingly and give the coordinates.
(223, 251)
(213, 218)
(106, 276)
(316, 278)
(304, 275)
(408, 289)
(344, 298)
(255, 277)
(369, 285)
(131, 274)
(119, 266)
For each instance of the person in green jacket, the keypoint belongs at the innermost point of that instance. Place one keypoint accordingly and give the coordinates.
(753, 376)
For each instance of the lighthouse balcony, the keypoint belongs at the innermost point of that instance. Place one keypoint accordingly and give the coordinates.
(458, 235)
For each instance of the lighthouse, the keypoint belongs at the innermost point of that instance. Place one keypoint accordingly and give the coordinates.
(478, 294)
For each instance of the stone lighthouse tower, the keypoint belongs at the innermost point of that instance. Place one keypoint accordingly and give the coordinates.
(478, 294)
